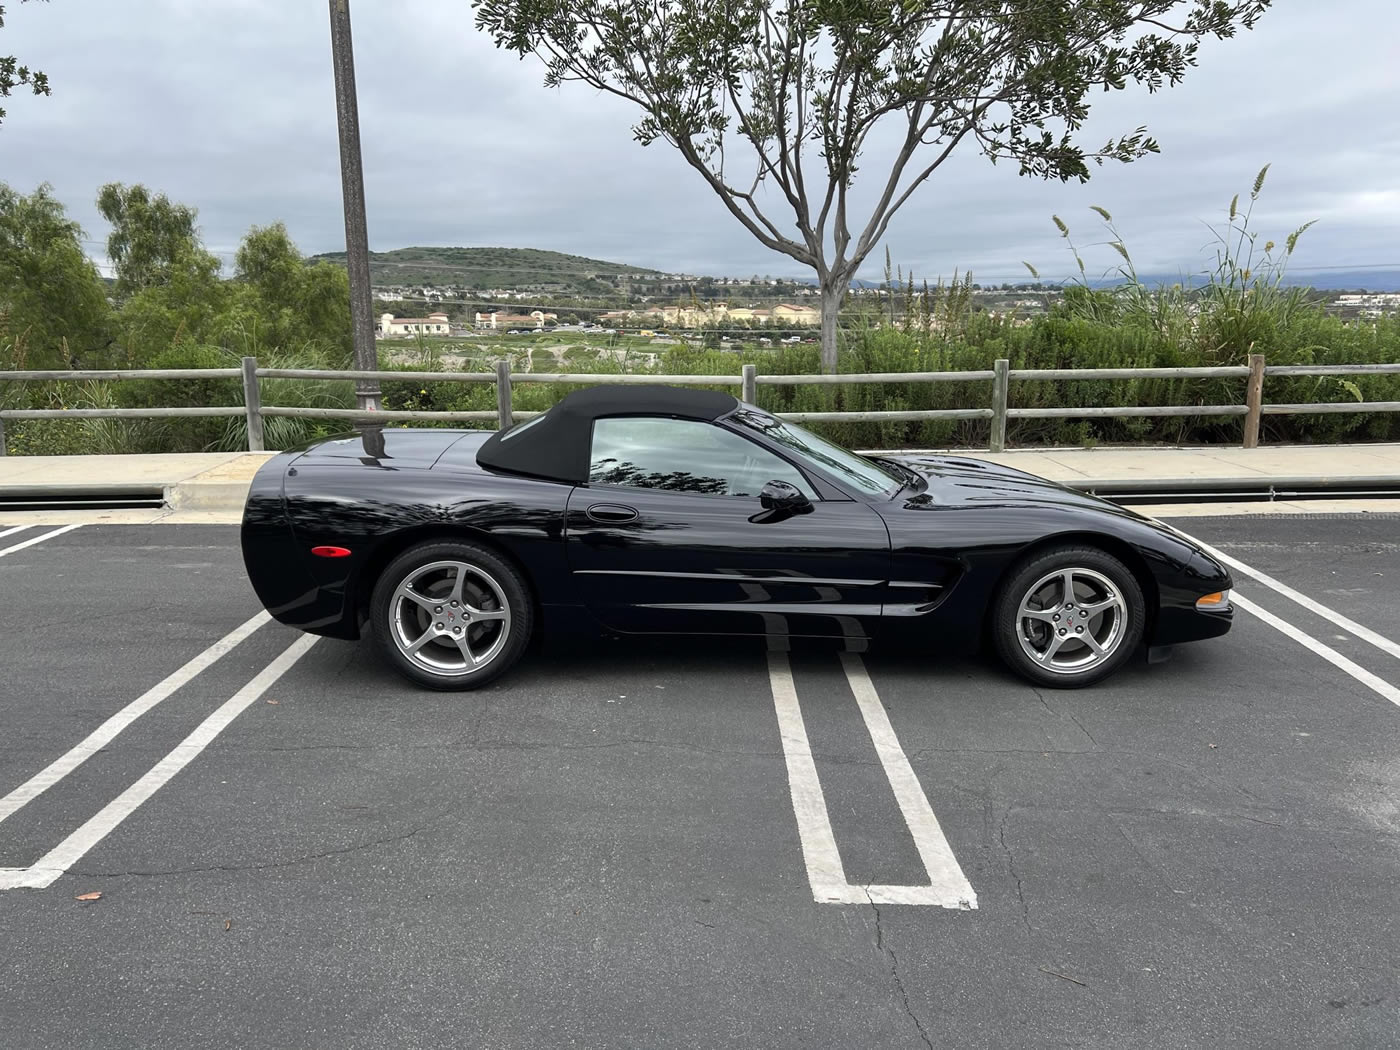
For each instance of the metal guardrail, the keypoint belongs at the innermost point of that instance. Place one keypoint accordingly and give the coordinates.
(999, 411)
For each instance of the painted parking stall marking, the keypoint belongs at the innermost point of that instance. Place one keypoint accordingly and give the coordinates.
(947, 886)
(36, 539)
(12, 530)
(946, 880)
(108, 730)
(1373, 682)
(824, 870)
(1380, 641)
(68, 852)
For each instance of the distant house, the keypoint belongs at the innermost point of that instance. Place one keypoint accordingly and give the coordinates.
(786, 313)
(699, 314)
(433, 324)
(497, 319)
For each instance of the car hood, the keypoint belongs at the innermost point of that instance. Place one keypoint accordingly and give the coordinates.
(959, 481)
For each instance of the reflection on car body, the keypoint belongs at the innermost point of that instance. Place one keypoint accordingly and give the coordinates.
(641, 509)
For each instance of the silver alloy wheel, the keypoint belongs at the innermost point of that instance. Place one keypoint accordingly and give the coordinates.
(1071, 620)
(450, 618)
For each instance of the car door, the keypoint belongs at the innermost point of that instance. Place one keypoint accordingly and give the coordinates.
(669, 535)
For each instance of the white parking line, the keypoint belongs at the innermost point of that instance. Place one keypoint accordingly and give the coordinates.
(38, 539)
(71, 850)
(947, 886)
(1365, 677)
(825, 872)
(1380, 641)
(104, 734)
(12, 530)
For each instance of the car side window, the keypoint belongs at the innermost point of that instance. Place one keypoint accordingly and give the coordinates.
(683, 455)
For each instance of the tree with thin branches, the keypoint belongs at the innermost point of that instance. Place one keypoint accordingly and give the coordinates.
(13, 74)
(774, 103)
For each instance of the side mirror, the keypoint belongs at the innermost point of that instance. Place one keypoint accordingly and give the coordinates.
(781, 499)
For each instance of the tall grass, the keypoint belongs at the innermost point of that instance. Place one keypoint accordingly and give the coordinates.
(1147, 328)
(1237, 305)
(1066, 339)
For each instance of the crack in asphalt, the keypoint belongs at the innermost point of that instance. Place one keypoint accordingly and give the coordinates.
(1147, 862)
(462, 744)
(67, 621)
(1067, 714)
(1099, 749)
(520, 745)
(358, 847)
(1011, 867)
(1070, 716)
(880, 946)
(1007, 751)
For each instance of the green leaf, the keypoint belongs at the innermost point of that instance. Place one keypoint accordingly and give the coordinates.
(747, 89)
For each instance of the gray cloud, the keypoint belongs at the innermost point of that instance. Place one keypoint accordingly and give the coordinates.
(229, 107)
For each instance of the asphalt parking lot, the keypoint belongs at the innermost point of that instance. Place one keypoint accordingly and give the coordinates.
(640, 845)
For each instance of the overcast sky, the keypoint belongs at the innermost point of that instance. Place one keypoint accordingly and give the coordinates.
(228, 105)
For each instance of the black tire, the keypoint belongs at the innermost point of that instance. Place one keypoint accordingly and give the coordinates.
(1042, 637)
(437, 644)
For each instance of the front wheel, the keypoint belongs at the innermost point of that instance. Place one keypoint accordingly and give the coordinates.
(1068, 617)
(451, 615)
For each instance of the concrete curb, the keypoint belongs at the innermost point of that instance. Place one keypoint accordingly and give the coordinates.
(222, 489)
(218, 496)
(207, 486)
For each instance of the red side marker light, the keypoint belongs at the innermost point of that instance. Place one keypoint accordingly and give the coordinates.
(331, 552)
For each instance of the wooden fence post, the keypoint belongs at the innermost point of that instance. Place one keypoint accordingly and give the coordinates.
(1254, 400)
(2, 437)
(503, 413)
(750, 393)
(1001, 385)
(252, 404)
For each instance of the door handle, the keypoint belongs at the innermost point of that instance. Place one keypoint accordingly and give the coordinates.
(611, 513)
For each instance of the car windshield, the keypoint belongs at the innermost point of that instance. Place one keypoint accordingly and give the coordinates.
(846, 466)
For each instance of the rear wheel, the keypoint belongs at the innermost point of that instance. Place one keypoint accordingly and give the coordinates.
(1068, 617)
(451, 615)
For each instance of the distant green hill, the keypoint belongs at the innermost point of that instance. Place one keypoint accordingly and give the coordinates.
(484, 268)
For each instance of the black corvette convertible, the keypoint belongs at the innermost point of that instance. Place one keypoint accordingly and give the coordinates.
(639, 509)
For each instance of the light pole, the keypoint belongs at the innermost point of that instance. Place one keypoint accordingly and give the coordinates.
(352, 181)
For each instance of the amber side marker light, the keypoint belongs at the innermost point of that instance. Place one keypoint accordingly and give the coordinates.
(344, 552)
(1214, 601)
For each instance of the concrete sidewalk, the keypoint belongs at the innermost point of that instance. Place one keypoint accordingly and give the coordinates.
(194, 487)
(211, 487)
(1159, 469)
(1083, 467)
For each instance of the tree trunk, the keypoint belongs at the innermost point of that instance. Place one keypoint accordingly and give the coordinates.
(832, 295)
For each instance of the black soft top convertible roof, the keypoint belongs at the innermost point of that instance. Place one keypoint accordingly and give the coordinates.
(556, 444)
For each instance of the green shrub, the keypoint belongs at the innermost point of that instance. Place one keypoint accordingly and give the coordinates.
(1063, 340)
(199, 434)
